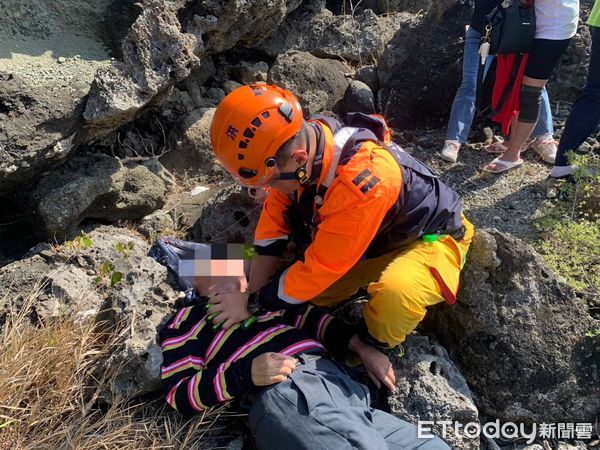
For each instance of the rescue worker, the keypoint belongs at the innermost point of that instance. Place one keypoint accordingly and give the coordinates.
(365, 213)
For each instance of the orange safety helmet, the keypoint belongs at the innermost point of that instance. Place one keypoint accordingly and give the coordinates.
(249, 126)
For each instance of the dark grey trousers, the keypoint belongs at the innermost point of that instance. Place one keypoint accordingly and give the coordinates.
(321, 407)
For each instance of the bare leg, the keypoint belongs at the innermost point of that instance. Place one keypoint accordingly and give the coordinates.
(520, 132)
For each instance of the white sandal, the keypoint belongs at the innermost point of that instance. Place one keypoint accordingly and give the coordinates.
(508, 165)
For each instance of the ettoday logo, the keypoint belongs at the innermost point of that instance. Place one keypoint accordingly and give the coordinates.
(505, 431)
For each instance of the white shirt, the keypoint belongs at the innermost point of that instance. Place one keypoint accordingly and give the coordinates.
(556, 19)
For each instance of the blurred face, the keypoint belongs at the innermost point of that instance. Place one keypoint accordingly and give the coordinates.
(220, 275)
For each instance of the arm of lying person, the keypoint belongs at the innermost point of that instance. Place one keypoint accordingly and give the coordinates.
(340, 337)
(210, 386)
(270, 368)
(378, 366)
(220, 383)
(332, 332)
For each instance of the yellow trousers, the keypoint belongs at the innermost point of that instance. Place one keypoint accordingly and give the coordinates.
(401, 284)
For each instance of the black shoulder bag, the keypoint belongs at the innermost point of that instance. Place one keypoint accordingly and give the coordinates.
(510, 28)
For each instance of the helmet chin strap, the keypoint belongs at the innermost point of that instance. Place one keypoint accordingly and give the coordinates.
(300, 174)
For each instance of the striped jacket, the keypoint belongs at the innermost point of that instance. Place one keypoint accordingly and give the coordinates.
(203, 367)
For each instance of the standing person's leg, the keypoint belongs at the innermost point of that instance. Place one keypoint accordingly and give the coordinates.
(542, 60)
(584, 118)
(463, 106)
(544, 126)
(543, 141)
(543, 133)
(401, 435)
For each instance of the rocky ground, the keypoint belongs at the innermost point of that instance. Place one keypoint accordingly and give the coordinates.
(105, 109)
(510, 202)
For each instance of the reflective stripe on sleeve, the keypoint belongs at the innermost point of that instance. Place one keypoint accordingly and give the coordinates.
(267, 242)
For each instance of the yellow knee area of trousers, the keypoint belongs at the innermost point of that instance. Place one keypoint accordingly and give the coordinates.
(400, 297)
(390, 317)
(406, 287)
(401, 285)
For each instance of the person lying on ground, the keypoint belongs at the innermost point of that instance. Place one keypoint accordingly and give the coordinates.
(282, 368)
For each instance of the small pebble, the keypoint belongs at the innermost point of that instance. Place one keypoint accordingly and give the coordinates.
(61, 59)
(585, 147)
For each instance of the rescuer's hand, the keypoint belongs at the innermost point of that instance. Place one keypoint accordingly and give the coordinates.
(270, 368)
(378, 366)
(231, 308)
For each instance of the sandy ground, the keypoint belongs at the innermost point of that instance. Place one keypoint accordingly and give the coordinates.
(57, 59)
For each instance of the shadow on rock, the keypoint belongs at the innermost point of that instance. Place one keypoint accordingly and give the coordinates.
(516, 332)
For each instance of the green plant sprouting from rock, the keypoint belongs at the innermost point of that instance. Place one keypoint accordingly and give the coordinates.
(109, 277)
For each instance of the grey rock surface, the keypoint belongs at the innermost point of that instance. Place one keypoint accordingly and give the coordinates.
(577, 445)
(37, 125)
(166, 42)
(360, 39)
(156, 54)
(359, 98)
(368, 75)
(62, 280)
(390, 6)
(521, 337)
(419, 76)
(18, 280)
(224, 24)
(157, 223)
(228, 217)
(431, 388)
(230, 86)
(94, 186)
(318, 83)
(195, 82)
(560, 445)
(191, 150)
(94, 19)
(252, 71)
(187, 206)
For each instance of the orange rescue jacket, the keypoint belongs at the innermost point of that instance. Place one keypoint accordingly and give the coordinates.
(354, 208)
